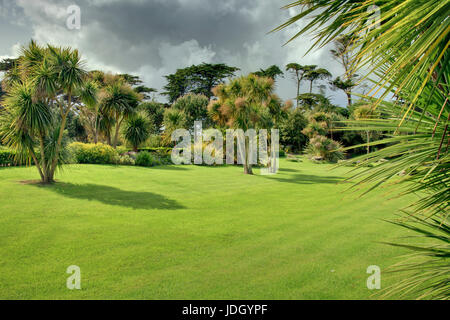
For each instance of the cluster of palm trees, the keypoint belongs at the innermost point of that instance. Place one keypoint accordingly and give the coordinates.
(43, 87)
(248, 102)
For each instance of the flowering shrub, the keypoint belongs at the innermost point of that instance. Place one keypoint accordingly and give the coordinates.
(126, 160)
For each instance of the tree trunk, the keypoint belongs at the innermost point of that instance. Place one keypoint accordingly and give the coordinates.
(108, 137)
(64, 115)
(349, 98)
(45, 172)
(96, 129)
(298, 93)
(247, 164)
(116, 135)
(38, 166)
(311, 87)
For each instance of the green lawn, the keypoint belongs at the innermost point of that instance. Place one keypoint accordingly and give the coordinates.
(187, 232)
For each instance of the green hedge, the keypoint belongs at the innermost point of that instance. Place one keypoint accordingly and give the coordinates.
(93, 153)
(7, 158)
(160, 150)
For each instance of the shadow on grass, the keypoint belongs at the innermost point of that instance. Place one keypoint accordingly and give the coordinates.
(171, 168)
(287, 170)
(113, 196)
(306, 179)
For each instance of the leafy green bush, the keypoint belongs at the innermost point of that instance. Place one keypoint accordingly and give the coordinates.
(6, 157)
(145, 159)
(154, 141)
(126, 160)
(323, 148)
(122, 150)
(159, 150)
(93, 153)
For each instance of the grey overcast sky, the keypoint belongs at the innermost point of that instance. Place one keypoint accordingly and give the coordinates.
(153, 38)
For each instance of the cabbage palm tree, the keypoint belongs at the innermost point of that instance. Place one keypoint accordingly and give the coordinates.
(136, 131)
(245, 103)
(119, 101)
(90, 111)
(406, 54)
(42, 90)
(26, 121)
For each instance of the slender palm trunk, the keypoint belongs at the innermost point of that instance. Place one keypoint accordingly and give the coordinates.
(96, 127)
(349, 98)
(116, 135)
(45, 173)
(247, 164)
(298, 93)
(38, 166)
(311, 86)
(60, 137)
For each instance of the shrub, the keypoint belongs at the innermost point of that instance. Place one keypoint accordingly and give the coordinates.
(132, 154)
(6, 157)
(93, 153)
(122, 150)
(159, 150)
(145, 159)
(291, 131)
(126, 160)
(155, 141)
(323, 148)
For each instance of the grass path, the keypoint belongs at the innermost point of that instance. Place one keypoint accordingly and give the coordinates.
(191, 233)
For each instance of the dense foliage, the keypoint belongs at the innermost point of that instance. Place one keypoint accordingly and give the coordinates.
(199, 79)
(406, 52)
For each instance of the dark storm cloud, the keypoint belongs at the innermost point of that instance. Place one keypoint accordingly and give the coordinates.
(216, 24)
(155, 37)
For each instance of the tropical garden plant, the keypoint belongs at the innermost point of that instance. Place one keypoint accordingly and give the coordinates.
(42, 89)
(136, 131)
(405, 54)
(246, 103)
(119, 101)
